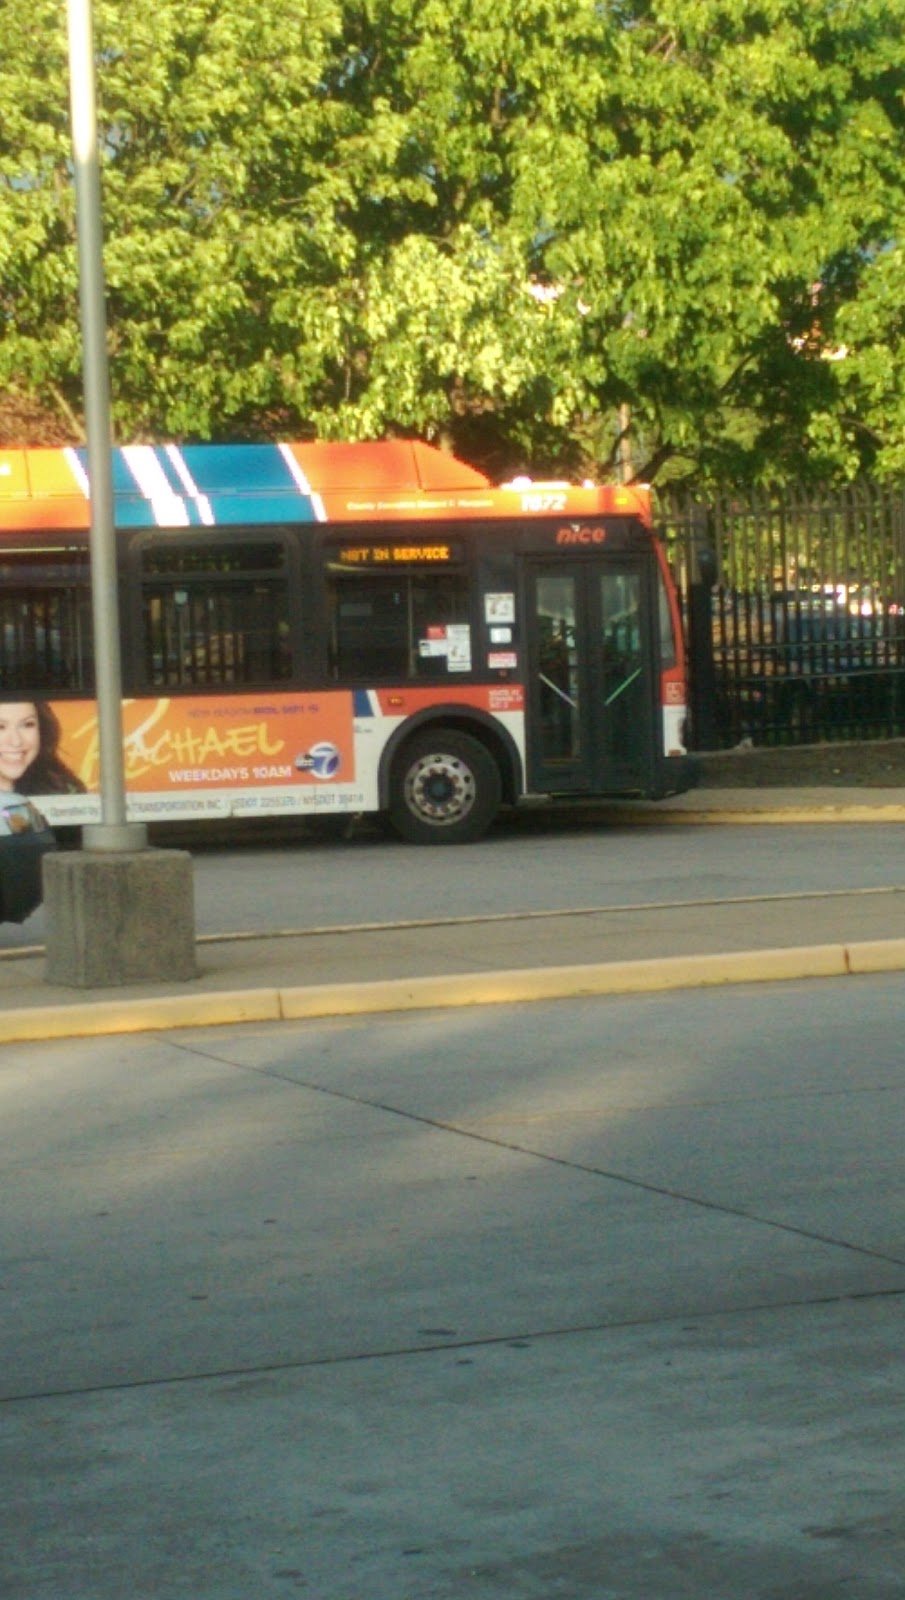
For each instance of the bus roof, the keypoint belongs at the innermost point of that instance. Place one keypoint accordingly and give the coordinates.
(173, 486)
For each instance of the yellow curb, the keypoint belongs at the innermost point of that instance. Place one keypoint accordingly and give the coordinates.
(784, 815)
(877, 955)
(557, 983)
(162, 1012)
(97, 1017)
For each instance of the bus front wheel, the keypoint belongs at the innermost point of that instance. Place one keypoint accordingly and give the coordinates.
(444, 789)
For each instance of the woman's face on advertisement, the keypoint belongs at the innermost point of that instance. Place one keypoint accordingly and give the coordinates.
(20, 741)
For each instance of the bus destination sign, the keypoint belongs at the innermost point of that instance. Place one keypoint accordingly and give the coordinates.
(422, 552)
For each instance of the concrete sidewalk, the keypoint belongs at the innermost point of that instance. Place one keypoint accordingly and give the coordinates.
(598, 1302)
(456, 962)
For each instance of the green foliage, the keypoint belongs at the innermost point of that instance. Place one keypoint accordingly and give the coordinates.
(493, 224)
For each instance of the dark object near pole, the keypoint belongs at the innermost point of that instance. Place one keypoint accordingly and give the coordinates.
(25, 840)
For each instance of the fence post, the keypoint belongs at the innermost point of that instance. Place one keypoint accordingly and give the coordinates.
(702, 575)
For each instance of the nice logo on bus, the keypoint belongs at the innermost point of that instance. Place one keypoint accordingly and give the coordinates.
(580, 535)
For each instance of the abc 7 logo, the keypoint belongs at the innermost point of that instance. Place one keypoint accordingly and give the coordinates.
(322, 760)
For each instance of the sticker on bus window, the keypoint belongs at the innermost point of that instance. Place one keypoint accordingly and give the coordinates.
(458, 638)
(501, 636)
(499, 608)
(502, 660)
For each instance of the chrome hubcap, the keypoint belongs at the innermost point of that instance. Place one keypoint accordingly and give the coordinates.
(440, 789)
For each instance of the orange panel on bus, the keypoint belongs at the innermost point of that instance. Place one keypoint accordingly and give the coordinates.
(400, 465)
(38, 489)
(13, 475)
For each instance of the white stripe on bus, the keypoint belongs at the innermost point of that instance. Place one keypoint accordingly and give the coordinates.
(205, 509)
(78, 471)
(301, 482)
(169, 508)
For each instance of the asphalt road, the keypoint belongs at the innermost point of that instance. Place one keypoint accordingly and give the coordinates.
(538, 865)
(598, 1298)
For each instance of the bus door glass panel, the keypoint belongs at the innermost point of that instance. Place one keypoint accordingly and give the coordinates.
(625, 716)
(558, 671)
(590, 702)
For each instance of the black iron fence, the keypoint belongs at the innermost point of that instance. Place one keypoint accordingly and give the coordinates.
(794, 612)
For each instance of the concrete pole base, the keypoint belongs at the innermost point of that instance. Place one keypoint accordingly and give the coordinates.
(119, 917)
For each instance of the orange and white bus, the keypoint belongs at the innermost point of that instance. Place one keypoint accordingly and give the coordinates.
(331, 629)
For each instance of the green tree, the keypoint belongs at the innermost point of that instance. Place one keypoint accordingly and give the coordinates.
(505, 225)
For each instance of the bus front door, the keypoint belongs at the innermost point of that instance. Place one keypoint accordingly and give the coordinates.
(591, 707)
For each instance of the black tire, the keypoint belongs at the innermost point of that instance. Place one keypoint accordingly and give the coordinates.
(444, 788)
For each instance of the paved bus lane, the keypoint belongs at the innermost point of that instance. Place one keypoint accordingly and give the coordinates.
(538, 861)
(600, 1297)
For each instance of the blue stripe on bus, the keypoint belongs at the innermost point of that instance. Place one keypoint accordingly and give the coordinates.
(123, 481)
(135, 511)
(361, 703)
(248, 469)
(243, 484)
(239, 508)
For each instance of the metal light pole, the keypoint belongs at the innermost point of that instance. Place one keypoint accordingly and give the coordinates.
(113, 832)
(116, 911)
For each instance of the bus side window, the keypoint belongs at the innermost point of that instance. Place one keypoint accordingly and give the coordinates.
(46, 638)
(391, 626)
(214, 613)
(668, 652)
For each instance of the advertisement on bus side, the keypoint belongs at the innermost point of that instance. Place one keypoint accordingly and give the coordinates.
(186, 756)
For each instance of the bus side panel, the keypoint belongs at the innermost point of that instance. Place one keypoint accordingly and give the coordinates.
(208, 755)
(264, 754)
(501, 730)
